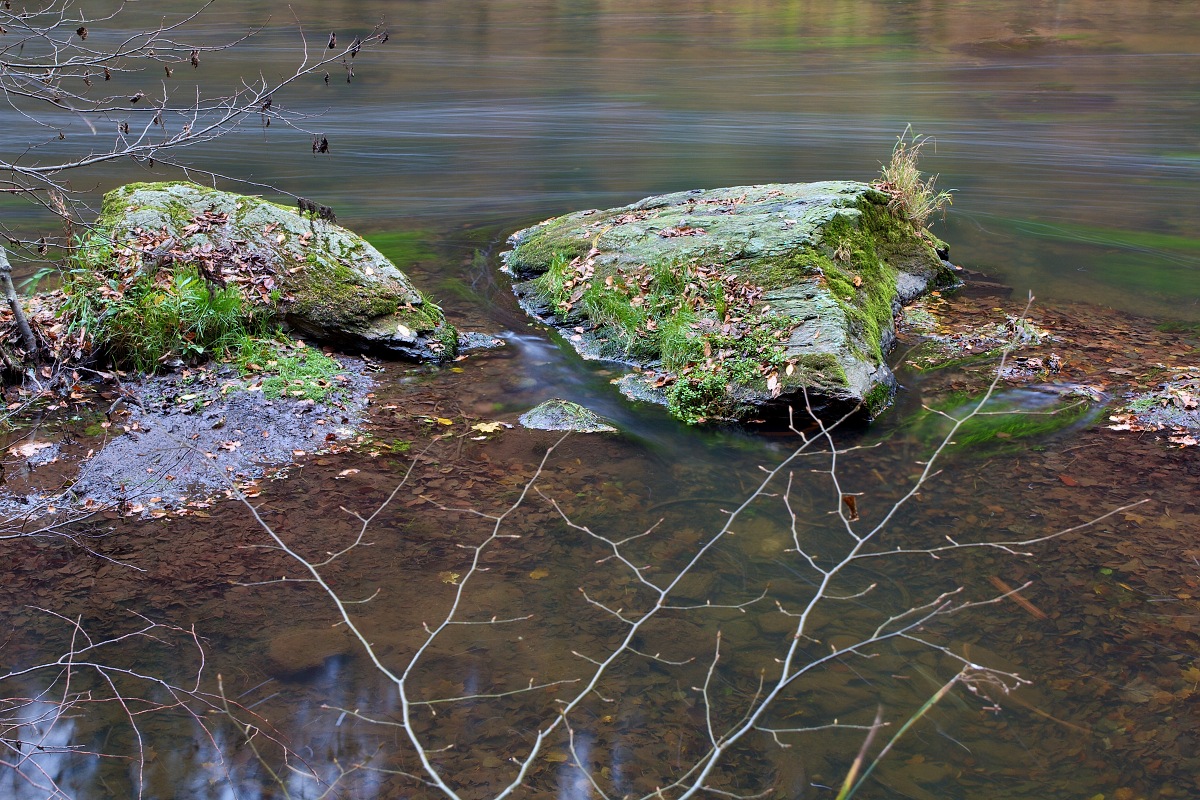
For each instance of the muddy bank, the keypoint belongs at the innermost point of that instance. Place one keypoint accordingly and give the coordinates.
(173, 442)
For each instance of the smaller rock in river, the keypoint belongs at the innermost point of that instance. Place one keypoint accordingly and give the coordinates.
(563, 415)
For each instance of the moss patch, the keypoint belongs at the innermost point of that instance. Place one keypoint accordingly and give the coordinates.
(289, 369)
(1006, 420)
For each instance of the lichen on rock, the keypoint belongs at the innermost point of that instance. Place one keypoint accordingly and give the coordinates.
(563, 415)
(735, 301)
(317, 277)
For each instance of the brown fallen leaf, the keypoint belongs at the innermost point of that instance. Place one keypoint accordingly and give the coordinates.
(851, 506)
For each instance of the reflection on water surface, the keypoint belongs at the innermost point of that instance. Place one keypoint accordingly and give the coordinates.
(1068, 131)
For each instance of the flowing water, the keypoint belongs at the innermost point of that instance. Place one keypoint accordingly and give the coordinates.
(1070, 132)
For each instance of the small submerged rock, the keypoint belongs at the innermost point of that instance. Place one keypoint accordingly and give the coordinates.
(471, 341)
(300, 650)
(563, 415)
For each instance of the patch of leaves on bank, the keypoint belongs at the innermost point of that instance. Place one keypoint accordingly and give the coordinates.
(168, 443)
(1173, 407)
(953, 339)
(955, 342)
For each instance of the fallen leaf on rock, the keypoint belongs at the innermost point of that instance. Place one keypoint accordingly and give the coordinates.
(681, 230)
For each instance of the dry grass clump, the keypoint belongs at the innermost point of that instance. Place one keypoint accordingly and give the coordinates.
(914, 197)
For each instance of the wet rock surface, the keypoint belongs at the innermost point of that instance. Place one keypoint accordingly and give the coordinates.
(734, 300)
(563, 415)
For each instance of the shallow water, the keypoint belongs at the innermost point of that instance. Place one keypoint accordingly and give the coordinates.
(1069, 132)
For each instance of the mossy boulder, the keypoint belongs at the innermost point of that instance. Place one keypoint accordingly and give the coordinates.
(563, 415)
(306, 271)
(734, 302)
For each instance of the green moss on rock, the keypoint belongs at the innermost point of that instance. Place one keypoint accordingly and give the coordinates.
(736, 298)
(1008, 419)
(310, 274)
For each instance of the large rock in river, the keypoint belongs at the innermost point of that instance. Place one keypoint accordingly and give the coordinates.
(731, 302)
(317, 277)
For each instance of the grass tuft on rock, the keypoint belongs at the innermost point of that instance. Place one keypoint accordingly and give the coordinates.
(693, 319)
(914, 197)
(145, 319)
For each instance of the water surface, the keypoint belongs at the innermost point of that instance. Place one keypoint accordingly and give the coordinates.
(1069, 132)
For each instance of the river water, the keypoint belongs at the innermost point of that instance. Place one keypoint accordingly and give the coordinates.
(1070, 133)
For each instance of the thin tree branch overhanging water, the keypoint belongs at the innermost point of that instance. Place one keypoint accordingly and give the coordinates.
(133, 91)
(563, 712)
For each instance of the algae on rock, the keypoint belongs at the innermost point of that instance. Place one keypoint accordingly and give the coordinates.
(735, 301)
(317, 277)
(563, 415)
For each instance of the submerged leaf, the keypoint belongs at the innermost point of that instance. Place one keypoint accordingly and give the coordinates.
(851, 506)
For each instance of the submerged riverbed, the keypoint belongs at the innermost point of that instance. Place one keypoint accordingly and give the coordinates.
(1068, 133)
